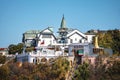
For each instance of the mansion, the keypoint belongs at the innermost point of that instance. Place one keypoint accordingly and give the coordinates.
(70, 43)
(46, 37)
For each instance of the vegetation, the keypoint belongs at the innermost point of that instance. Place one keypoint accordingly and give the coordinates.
(100, 71)
(82, 72)
(4, 72)
(29, 49)
(2, 59)
(28, 71)
(13, 49)
(110, 39)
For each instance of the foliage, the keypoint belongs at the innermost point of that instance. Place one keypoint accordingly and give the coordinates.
(106, 71)
(4, 72)
(109, 70)
(56, 70)
(110, 39)
(29, 49)
(82, 72)
(15, 48)
(114, 70)
(2, 59)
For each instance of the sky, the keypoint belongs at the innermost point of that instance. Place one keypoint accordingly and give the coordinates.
(19, 16)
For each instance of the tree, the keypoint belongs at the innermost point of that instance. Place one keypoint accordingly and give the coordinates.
(60, 68)
(114, 70)
(100, 67)
(29, 49)
(20, 47)
(2, 59)
(82, 72)
(13, 49)
(116, 41)
(4, 72)
(110, 39)
(56, 70)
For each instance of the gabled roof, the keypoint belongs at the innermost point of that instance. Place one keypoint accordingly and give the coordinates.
(47, 30)
(75, 31)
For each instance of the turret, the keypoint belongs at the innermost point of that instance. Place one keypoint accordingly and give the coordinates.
(96, 42)
(63, 31)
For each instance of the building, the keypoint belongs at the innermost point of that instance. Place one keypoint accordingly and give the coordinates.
(30, 37)
(3, 51)
(46, 37)
(68, 43)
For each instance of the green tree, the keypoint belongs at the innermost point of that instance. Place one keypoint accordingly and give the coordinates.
(82, 72)
(60, 68)
(12, 49)
(116, 41)
(110, 39)
(15, 48)
(20, 47)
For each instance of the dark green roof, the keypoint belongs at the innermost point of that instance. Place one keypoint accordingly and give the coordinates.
(63, 23)
(33, 31)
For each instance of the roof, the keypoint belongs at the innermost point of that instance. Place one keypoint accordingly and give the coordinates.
(1, 49)
(63, 23)
(79, 44)
(33, 31)
(47, 30)
(71, 32)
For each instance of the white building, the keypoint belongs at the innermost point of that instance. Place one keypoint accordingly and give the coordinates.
(48, 45)
(46, 37)
(3, 51)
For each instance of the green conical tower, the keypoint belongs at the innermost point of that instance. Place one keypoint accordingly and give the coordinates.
(63, 31)
(63, 23)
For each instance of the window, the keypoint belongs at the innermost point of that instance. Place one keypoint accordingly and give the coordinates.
(33, 60)
(46, 36)
(71, 41)
(75, 39)
(80, 41)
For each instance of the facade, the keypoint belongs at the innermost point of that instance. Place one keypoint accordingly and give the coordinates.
(68, 43)
(81, 49)
(30, 37)
(46, 37)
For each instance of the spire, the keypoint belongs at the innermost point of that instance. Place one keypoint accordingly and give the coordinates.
(63, 23)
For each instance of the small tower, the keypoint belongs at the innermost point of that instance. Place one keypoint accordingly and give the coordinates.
(63, 31)
(97, 49)
(96, 42)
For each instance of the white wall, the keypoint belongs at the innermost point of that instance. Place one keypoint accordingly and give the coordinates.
(90, 38)
(75, 39)
(47, 41)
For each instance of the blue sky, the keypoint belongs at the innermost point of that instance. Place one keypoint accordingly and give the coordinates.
(18, 16)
